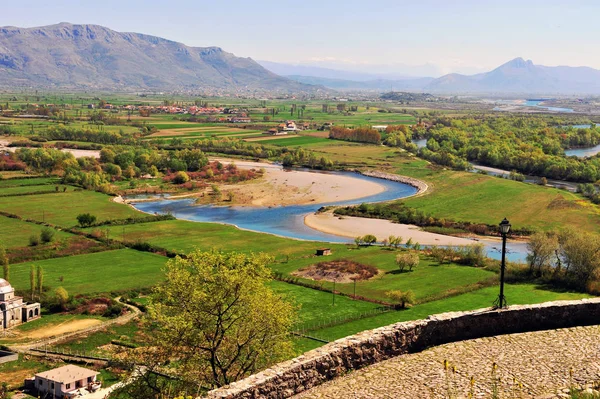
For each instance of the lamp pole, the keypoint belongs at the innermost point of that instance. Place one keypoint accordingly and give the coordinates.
(504, 229)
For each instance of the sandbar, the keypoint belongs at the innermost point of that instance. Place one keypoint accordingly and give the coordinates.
(280, 187)
(348, 226)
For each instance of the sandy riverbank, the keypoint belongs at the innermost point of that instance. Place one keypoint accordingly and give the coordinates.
(352, 227)
(279, 187)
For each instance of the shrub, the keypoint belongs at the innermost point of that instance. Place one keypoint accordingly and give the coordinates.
(47, 235)
(86, 219)
(181, 177)
(34, 240)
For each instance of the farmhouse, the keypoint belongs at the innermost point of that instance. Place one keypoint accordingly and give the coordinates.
(66, 382)
(13, 311)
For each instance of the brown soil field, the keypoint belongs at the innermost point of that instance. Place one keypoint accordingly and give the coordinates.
(340, 271)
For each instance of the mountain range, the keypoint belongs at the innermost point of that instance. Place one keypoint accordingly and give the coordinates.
(514, 77)
(94, 57)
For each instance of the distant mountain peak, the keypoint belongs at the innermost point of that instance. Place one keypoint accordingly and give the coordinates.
(519, 62)
(520, 76)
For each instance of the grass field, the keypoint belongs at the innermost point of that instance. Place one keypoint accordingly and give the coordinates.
(91, 343)
(20, 190)
(317, 306)
(464, 196)
(184, 236)
(62, 208)
(296, 141)
(428, 280)
(15, 233)
(516, 294)
(37, 181)
(108, 271)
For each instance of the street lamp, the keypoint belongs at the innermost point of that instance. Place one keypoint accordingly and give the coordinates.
(504, 229)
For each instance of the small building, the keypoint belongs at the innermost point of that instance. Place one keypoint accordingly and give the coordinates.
(13, 311)
(380, 128)
(323, 251)
(66, 381)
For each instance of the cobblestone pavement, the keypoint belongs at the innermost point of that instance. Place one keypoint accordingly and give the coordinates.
(528, 365)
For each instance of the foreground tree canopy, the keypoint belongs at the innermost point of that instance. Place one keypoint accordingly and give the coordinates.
(216, 312)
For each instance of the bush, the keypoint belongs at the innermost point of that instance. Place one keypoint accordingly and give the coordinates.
(34, 240)
(86, 219)
(181, 177)
(47, 235)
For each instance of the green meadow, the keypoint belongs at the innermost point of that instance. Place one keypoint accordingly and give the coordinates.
(117, 270)
(62, 208)
(15, 233)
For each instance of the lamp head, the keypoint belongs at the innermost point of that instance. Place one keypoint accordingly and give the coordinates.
(504, 226)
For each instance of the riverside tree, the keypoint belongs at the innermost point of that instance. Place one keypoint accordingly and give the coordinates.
(215, 315)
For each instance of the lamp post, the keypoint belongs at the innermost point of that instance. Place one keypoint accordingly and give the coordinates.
(504, 229)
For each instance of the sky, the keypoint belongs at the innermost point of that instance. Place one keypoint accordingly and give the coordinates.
(438, 36)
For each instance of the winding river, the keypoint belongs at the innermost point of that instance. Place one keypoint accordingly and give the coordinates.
(288, 221)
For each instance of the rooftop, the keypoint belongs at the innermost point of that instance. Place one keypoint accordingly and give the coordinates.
(5, 286)
(67, 374)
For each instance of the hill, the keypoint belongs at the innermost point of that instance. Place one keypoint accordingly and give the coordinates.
(520, 76)
(95, 57)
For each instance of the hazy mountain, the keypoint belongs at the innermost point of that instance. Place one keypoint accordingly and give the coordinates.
(360, 73)
(520, 76)
(371, 85)
(92, 56)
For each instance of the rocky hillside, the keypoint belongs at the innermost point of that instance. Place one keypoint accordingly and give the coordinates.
(95, 57)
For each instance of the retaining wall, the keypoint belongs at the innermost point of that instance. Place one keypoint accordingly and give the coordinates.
(337, 358)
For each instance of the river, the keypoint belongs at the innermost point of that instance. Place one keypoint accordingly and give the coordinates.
(288, 221)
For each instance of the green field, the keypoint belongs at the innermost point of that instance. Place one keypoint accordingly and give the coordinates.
(428, 280)
(464, 196)
(317, 306)
(15, 233)
(108, 271)
(62, 208)
(184, 236)
(483, 298)
(296, 141)
(20, 190)
(37, 181)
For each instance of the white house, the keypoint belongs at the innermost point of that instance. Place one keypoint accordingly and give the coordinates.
(66, 381)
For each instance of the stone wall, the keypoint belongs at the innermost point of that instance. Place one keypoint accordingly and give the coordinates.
(337, 358)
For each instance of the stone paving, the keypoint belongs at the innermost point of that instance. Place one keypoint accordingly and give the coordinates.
(528, 365)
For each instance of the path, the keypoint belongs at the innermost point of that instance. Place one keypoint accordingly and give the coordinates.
(62, 337)
(529, 365)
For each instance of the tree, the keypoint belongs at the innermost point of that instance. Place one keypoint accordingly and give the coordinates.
(369, 239)
(216, 314)
(403, 298)
(542, 248)
(358, 241)
(32, 280)
(40, 279)
(86, 219)
(62, 296)
(4, 263)
(408, 259)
